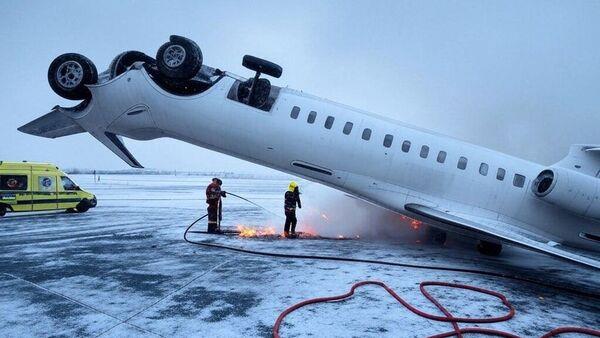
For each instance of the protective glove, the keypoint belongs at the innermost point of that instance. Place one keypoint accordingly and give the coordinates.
(223, 194)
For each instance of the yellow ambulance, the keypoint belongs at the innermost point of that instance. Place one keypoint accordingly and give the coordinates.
(26, 186)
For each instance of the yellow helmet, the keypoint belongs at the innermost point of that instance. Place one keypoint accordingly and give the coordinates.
(293, 185)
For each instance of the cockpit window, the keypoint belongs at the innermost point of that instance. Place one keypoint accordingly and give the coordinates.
(261, 95)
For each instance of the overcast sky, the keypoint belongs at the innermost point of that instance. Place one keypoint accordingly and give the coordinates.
(519, 77)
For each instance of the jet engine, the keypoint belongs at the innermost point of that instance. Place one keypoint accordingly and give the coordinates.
(570, 190)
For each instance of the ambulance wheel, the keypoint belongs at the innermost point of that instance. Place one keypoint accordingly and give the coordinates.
(83, 206)
(2, 211)
(69, 74)
(489, 248)
(180, 58)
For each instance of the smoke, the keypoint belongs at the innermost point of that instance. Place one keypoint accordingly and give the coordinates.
(328, 212)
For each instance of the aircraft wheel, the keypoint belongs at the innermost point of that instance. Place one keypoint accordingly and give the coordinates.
(436, 236)
(122, 61)
(180, 58)
(489, 248)
(69, 73)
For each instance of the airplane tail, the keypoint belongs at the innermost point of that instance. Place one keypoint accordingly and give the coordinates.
(59, 122)
(585, 158)
(52, 125)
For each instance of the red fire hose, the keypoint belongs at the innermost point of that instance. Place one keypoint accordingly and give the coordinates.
(448, 317)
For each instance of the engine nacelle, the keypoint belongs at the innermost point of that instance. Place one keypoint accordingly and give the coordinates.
(570, 190)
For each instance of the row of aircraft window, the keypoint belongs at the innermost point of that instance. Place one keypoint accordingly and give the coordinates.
(518, 179)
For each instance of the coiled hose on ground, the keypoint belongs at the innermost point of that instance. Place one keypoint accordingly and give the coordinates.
(448, 317)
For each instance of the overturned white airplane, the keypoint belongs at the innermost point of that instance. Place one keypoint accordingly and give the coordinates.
(450, 184)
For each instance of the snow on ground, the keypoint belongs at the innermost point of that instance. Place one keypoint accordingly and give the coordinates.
(123, 269)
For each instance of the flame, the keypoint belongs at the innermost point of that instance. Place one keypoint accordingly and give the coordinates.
(308, 230)
(415, 225)
(246, 231)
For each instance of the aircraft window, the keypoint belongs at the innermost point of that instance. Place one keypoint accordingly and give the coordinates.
(441, 158)
(500, 174)
(329, 122)
(406, 146)
(13, 182)
(519, 181)
(483, 169)
(366, 135)
(312, 116)
(348, 128)
(462, 163)
(424, 151)
(387, 140)
(295, 112)
(68, 184)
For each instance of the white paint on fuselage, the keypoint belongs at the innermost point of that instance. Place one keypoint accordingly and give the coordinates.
(385, 176)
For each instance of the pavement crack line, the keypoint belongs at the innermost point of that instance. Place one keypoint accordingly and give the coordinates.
(126, 321)
(80, 303)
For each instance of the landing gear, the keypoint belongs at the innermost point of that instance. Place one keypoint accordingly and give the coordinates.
(179, 59)
(122, 61)
(255, 92)
(69, 74)
(489, 248)
(436, 236)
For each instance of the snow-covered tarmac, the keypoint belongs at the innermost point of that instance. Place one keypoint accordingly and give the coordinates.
(123, 269)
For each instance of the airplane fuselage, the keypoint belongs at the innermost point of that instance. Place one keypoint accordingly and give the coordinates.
(390, 165)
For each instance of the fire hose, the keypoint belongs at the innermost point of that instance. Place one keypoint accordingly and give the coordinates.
(448, 317)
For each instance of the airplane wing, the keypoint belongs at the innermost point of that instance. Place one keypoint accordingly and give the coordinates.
(503, 232)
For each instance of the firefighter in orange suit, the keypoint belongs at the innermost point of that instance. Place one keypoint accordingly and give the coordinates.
(215, 208)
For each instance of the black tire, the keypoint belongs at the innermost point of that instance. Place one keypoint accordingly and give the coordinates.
(122, 61)
(260, 95)
(489, 248)
(69, 73)
(180, 58)
(436, 236)
(71, 211)
(83, 206)
(2, 211)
